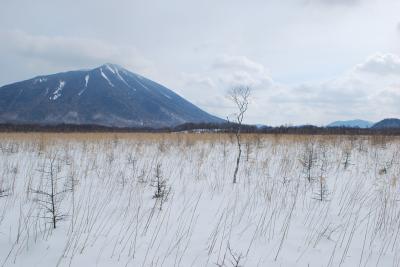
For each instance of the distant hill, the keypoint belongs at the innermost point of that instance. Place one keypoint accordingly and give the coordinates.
(352, 124)
(387, 123)
(108, 95)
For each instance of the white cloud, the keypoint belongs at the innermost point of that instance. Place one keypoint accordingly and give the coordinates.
(209, 89)
(365, 91)
(238, 63)
(381, 64)
(229, 71)
(370, 90)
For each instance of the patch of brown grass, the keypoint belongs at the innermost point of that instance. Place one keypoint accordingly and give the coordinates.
(44, 139)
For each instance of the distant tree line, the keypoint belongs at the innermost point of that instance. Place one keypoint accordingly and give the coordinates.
(228, 127)
(71, 128)
(302, 130)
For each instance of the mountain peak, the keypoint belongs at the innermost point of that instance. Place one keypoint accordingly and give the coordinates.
(113, 68)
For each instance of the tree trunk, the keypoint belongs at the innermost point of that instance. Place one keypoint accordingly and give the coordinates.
(238, 158)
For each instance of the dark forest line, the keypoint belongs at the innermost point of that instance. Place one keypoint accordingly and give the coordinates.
(201, 127)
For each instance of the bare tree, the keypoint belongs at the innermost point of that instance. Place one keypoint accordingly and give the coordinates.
(240, 97)
(48, 196)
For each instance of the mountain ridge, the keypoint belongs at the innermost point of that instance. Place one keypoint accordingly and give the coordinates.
(357, 123)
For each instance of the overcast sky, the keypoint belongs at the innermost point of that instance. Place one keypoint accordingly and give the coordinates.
(308, 61)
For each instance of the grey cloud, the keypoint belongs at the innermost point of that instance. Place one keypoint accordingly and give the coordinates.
(334, 2)
(69, 52)
(237, 63)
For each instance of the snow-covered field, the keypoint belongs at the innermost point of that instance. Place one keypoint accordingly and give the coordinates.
(299, 200)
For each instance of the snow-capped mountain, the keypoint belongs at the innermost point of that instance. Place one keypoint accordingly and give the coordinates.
(352, 124)
(108, 95)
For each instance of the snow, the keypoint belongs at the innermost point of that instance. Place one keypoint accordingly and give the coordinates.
(167, 96)
(123, 80)
(141, 84)
(58, 91)
(114, 69)
(86, 84)
(139, 76)
(106, 78)
(110, 68)
(40, 80)
(86, 80)
(271, 217)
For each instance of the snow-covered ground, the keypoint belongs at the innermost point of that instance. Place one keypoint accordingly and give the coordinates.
(299, 201)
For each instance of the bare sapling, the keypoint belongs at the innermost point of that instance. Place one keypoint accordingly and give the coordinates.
(3, 192)
(161, 188)
(236, 257)
(72, 183)
(48, 195)
(132, 162)
(248, 150)
(346, 157)
(240, 97)
(322, 193)
(308, 160)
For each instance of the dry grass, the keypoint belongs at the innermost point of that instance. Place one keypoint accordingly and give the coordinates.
(191, 138)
